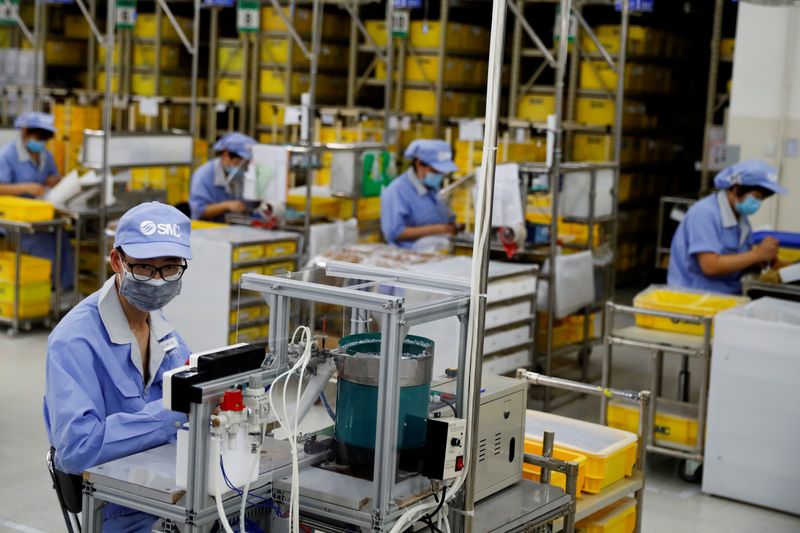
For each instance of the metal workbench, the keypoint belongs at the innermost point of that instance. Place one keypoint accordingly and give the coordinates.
(755, 288)
(14, 230)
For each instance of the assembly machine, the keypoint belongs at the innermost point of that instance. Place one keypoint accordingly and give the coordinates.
(398, 450)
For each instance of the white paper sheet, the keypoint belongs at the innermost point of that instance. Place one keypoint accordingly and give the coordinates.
(266, 176)
(507, 210)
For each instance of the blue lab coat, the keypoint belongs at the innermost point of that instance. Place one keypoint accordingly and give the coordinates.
(97, 407)
(16, 166)
(406, 202)
(710, 225)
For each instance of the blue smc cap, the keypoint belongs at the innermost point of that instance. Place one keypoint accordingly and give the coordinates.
(153, 229)
(236, 143)
(434, 153)
(751, 172)
(35, 120)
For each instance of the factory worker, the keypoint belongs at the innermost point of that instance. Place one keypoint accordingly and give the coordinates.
(106, 358)
(713, 244)
(412, 214)
(27, 169)
(217, 186)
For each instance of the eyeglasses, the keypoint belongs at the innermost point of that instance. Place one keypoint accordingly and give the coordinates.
(145, 272)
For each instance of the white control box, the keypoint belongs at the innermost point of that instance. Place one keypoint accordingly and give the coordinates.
(444, 448)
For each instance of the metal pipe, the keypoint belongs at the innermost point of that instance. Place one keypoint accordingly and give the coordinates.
(21, 23)
(193, 129)
(711, 93)
(37, 54)
(178, 29)
(512, 5)
(355, 19)
(213, 41)
(513, 90)
(90, 20)
(352, 59)
(389, 63)
(480, 258)
(534, 378)
(548, 442)
(107, 110)
(290, 28)
(618, 114)
(641, 453)
(589, 31)
(444, 15)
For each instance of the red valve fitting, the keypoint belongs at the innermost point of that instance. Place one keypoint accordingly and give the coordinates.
(232, 401)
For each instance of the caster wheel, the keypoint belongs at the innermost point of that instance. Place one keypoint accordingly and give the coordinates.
(690, 471)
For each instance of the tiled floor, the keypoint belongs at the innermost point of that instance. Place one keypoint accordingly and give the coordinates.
(28, 504)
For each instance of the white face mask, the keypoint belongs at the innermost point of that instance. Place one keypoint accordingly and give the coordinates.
(148, 295)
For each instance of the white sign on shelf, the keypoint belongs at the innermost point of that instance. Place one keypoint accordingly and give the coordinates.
(292, 115)
(470, 130)
(148, 106)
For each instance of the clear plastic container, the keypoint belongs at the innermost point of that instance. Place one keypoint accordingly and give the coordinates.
(611, 453)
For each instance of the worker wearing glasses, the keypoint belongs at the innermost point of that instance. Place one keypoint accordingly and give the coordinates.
(106, 358)
(217, 187)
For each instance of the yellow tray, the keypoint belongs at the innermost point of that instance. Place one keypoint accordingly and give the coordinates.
(25, 209)
(33, 269)
(26, 310)
(280, 249)
(251, 334)
(619, 517)
(684, 301)
(237, 273)
(557, 479)
(610, 453)
(248, 253)
(276, 269)
(245, 314)
(30, 293)
(675, 422)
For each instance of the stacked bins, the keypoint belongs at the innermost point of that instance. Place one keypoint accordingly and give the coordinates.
(357, 399)
(34, 288)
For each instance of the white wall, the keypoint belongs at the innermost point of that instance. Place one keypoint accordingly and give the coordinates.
(765, 101)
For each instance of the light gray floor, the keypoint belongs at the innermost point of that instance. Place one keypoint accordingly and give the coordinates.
(28, 504)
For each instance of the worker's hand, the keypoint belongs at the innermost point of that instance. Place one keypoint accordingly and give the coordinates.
(34, 189)
(236, 206)
(767, 250)
(449, 229)
(52, 181)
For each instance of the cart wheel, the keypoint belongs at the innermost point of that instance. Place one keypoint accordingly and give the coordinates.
(690, 471)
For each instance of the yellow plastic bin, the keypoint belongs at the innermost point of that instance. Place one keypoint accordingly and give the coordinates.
(683, 301)
(25, 209)
(557, 479)
(610, 452)
(248, 253)
(619, 517)
(33, 269)
(34, 299)
(276, 269)
(248, 313)
(237, 273)
(249, 334)
(279, 249)
(675, 423)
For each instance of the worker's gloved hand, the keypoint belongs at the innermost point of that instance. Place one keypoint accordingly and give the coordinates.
(767, 250)
(236, 206)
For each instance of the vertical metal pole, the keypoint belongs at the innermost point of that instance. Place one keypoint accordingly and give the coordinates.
(213, 45)
(655, 386)
(463, 339)
(572, 88)
(620, 103)
(17, 278)
(516, 57)
(441, 53)
(157, 46)
(702, 402)
(243, 113)
(352, 61)
(255, 58)
(111, 15)
(555, 174)
(480, 263)
(56, 313)
(605, 377)
(389, 60)
(641, 459)
(547, 451)
(37, 52)
(195, 64)
(91, 60)
(711, 93)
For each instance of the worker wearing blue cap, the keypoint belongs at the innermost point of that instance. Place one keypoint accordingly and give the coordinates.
(411, 211)
(217, 186)
(713, 244)
(106, 358)
(27, 169)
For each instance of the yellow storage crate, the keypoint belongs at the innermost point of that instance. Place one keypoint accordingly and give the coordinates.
(276, 269)
(274, 83)
(29, 293)
(248, 253)
(230, 58)
(610, 452)
(32, 269)
(269, 112)
(27, 310)
(321, 206)
(683, 301)
(5, 37)
(727, 48)
(146, 25)
(64, 53)
(588, 147)
(368, 208)
(596, 111)
(229, 89)
(675, 423)
(248, 313)
(249, 334)
(25, 209)
(144, 55)
(642, 41)
(377, 30)
(619, 517)
(76, 27)
(141, 84)
(275, 51)
(789, 255)
(280, 249)
(272, 22)
(598, 75)
(536, 108)
(426, 69)
(557, 479)
(426, 34)
(237, 273)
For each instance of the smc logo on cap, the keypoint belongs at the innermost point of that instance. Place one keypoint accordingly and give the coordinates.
(148, 227)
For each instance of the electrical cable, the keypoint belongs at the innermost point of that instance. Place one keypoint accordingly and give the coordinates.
(327, 406)
(251, 473)
(449, 404)
(218, 494)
